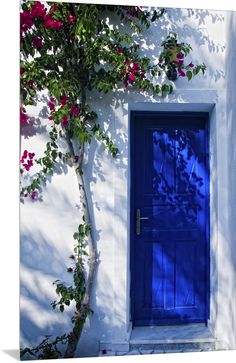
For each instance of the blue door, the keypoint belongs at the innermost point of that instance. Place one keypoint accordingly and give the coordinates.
(169, 218)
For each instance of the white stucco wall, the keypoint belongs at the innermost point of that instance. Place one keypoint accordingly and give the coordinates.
(47, 226)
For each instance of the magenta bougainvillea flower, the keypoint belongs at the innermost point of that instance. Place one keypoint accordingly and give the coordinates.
(37, 42)
(22, 71)
(191, 65)
(181, 73)
(136, 67)
(119, 50)
(25, 154)
(51, 106)
(180, 56)
(71, 18)
(37, 10)
(26, 166)
(64, 100)
(27, 160)
(34, 195)
(75, 111)
(49, 22)
(26, 21)
(23, 118)
(127, 62)
(31, 155)
(52, 99)
(54, 8)
(131, 78)
(31, 83)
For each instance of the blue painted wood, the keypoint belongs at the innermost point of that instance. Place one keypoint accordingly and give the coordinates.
(170, 185)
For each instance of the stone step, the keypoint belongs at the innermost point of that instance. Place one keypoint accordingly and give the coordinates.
(155, 348)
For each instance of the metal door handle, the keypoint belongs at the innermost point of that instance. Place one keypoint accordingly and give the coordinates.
(138, 221)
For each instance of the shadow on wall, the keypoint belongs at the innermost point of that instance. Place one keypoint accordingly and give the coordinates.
(191, 25)
(41, 264)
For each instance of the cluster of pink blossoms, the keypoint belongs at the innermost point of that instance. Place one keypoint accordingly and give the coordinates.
(131, 71)
(180, 63)
(62, 102)
(27, 160)
(28, 17)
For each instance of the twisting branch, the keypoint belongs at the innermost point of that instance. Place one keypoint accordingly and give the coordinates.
(84, 309)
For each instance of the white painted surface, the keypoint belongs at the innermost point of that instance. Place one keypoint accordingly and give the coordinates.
(47, 226)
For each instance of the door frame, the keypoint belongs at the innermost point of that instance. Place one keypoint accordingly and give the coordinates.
(206, 115)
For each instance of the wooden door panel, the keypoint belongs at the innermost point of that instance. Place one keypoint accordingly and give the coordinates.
(169, 254)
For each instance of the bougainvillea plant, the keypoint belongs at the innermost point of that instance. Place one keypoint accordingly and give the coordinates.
(68, 50)
(173, 59)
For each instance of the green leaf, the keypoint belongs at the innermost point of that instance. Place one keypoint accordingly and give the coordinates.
(189, 75)
(81, 228)
(62, 308)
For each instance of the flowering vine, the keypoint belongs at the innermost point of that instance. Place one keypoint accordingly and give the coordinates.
(70, 49)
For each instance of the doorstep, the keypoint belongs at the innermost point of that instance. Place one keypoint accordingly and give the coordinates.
(181, 338)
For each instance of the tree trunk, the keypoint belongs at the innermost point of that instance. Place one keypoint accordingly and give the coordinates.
(92, 258)
(83, 312)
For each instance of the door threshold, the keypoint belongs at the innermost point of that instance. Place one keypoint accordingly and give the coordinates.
(190, 333)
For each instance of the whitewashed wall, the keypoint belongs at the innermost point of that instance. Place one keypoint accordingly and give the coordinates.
(47, 226)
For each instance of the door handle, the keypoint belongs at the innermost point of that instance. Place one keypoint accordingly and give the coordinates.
(138, 221)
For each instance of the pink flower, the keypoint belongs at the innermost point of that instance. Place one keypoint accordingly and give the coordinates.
(25, 154)
(54, 8)
(57, 25)
(50, 117)
(52, 99)
(74, 110)
(49, 22)
(124, 71)
(51, 106)
(26, 21)
(181, 73)
(131, 78)
(64, 100)
(22, 71)
(135, 68)
(191, 65)
(37, 42)
(31, 155)
(71, 19)
(23, 118)
(37, 10)
(127, 62)
(119, 50)
(34, 195)
(64, 121)
(142, 75)
(180, 55)
(26, 166)
(180, 62)
(30, 163)
(31, 83)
